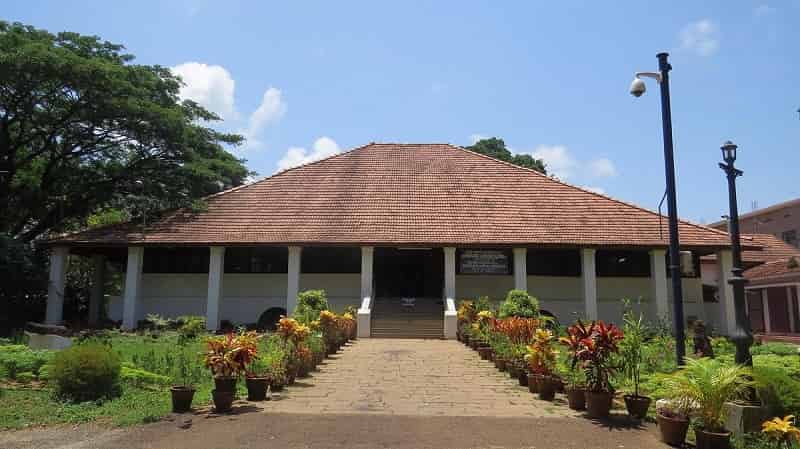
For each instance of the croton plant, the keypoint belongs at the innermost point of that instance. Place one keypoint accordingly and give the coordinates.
(229, 355)
(592, 346)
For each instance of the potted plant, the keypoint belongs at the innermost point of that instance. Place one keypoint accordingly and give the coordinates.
(596, 354)
(708, 384)
(257, 380)
(673, 421)
(183, 390)
(541, 358)
(781, 431)
(576, 387)
(631, 347)
(227, 357)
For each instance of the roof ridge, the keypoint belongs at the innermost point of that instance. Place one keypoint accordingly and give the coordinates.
(554, 179)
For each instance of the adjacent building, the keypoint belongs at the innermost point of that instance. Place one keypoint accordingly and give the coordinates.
(781, 220)
(427, 223)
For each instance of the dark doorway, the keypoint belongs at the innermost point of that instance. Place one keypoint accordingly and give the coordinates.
(409, 273)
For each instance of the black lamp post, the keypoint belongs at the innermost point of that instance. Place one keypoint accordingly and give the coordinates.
(742, 336)
(637, 89)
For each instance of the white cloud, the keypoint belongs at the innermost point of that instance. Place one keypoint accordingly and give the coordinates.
(560, 162)
(474, 138)
(701, 37)
(323, 147)
(209, 85)
(271, 109)
(602, 168)
(763, 10)
(595, 189)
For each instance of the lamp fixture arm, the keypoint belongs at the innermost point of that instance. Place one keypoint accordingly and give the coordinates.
(655, 75)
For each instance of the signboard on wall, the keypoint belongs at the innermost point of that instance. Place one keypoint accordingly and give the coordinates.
(483, 261)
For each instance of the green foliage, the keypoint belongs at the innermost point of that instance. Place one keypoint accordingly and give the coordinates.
(141, 378)
(632, 346)
(775, 348)
(15, 359)
(309, 304)
(191, 327)
(496, 148)
(778, 390)
(86, 372)
(483, 303)
(519, 303)
(708, 384)
(756, 441)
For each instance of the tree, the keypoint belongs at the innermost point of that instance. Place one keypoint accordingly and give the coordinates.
(84, 130)
(496, 148)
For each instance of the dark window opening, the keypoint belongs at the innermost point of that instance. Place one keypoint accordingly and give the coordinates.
(176, 260)
(256, 260)
(330, 260)
(618, 263)
(554, 262)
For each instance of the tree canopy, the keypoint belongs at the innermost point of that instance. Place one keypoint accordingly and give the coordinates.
(84, 130)
(496, 148)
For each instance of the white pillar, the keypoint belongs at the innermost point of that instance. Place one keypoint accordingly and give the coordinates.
(365, 312)
(658, 282)
(450, 315)
(55, 286)
(98, 282)
(133, 286)
(725, 289)
(589, 276)
(293, 283)
(765, 305)
(521, 269)
(216, 272)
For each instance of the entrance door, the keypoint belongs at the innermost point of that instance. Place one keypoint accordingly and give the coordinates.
(778, 310)
(409, 273)
(755, 310)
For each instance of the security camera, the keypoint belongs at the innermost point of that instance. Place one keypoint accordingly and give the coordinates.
(637, 87)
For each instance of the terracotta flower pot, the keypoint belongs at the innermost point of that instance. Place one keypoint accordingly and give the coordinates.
(547, 388)
(485, 352)
(181, 398)
(257, 388)
(712, 440)
(637, 405)
(598, 404)
(225, 384)
(576, 398)
(673, 430)
(513, 370)
(500, 363)
(523, 377)
(534, 382)
(223, 401)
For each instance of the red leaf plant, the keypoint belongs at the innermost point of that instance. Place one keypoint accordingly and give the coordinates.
(593, 346)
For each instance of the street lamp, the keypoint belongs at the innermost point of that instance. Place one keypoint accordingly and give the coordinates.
(637, 90)
(742, 337)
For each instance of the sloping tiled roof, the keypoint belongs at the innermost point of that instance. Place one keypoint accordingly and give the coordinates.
(409, 194)
(772, 248)
(774, 272)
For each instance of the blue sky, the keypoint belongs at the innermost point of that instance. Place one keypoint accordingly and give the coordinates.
(307, 79)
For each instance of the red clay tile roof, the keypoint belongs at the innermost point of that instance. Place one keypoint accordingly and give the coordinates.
(772, 248)
(774, 272)
(409, 194)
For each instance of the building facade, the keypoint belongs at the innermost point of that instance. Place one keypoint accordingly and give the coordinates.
(781, 220)
(421, 224)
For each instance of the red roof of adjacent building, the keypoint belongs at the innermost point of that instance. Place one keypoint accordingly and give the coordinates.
(760, 248)
(408, 194)
(774, 272)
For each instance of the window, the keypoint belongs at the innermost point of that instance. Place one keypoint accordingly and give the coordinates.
(554, 262)
(256, 260)
(623, 263)
(790, 237)
(330, 260)
(176, 260)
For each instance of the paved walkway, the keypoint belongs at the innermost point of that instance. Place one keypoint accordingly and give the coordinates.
(413, 377)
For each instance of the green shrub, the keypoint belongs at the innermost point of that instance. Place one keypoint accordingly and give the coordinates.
(191, 326)
(26, 377)
(775, 348)
(141, 378)
(483, 303)
(778, 390)
(86, 372)
(309, 304)
(16, 359)
(519, 303)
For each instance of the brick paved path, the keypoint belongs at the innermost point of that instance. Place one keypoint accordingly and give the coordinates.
(413, 377)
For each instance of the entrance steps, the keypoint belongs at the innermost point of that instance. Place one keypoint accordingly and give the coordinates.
(391, 320)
